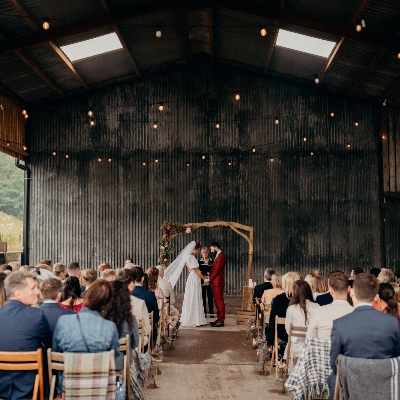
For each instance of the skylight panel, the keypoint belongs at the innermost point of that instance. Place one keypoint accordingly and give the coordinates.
(92, 47)
(305, 44)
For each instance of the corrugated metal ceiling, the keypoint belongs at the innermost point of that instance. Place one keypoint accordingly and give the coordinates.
(187, 28)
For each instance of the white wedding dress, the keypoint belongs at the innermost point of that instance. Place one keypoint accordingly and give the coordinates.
(192, 308)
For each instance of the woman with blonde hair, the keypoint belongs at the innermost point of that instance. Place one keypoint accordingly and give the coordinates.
(60, 271)
(103, 267)
(318, 285)
(269, 294)
(279, 307)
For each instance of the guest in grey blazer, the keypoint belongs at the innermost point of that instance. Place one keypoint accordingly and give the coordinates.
(366, 332)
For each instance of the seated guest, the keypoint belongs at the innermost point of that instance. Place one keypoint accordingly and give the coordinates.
(109, 275)
(22, 328)
(320, 325)
(397, 276)
(301, 308)
(100, 334)
(318, 286)
(375, 271)
(88, 277)
(103, 267)
(43, 271)
(260, 289)
(279, 307)
(148, 296)
(60, 271)
(269, 294)
(50, 292)
(396, 289)
(166, 287)
(47, 267)
(46, 261)
(121, 314)
(138, 306)
(71, 294)
(129, 261)
(387, 302)
(354, 272)
(386, 275)
(152, 274)
(316, 272)
(74, 269)
(3, 276)
(366, 332)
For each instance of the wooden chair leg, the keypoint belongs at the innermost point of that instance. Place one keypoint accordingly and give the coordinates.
(272, 359)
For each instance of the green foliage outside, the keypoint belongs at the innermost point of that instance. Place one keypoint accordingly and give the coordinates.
(11, 202)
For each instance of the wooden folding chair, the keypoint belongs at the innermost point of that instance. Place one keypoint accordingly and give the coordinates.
(167, 304)
(141, 335)
(259, 313)
(150, 345)
(274, 359)
(55, 363)
(294, 331)
(25, 361)
(125, 348)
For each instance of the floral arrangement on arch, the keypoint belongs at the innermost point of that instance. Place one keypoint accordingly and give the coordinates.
(170, 230)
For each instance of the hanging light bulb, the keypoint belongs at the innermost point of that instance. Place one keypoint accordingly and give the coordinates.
(358, 26)
(332, 114)
(54, 153)
(304, 138)
(155, 126)
(348, 145)
(46, 24)
(109, 160)
(356, 123)
(229, 163)
(24, 112)
(187, 164)
(263, 32)
(90, 112)
(276, 120)
(8, 144)
(217, 126)
(316, 80)
(272, 159)
(237, 96)
(398, 55)
(253, 149)
(92, 123)
(99, 159)
(156, 160)
(203, 157)
(143, 163)
(161, 107)
(25, 148)
(384, 103)
(158, 32)
(66, 156)
(26, 116)
(312, 153)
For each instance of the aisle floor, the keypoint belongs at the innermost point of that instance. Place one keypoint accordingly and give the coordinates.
(214, 363)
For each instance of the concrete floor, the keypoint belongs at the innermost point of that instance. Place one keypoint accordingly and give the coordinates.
(214, 363)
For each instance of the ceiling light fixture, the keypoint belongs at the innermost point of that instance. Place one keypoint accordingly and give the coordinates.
(92, 123)
(237, 96)
(276, 120)
(161, 107)
(263, 32)
(217, 126)
(46, 24)
(158, 32)
(24, 112)
(155, 126)
(90, 112)
(316, 80)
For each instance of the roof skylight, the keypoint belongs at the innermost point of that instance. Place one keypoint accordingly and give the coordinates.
(305, 44)
(92, 47)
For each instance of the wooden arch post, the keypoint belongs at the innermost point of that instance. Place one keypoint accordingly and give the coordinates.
(236, 227)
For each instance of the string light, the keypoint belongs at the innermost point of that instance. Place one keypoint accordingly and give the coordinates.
(24, 112)
(276, 120)
(144, 163)
(237, 96)
(158, 33)
(253, 149)
(383, 137)
(229, 163)
(312, 153)
(8, 144)
(99, 159)
(332, 114)
(92, 123)
(272, 159)
(263, 32)
(348, 145)
(304, 138)
(26, 116)
(358, 27)
(356, 123)
(109, 160)
(25, 148)
(161, 107)
(66, 156)
(316, 80)
(398, 56)
(156, 160)
(217, 126)
(46, 24)
(155, 126)
(187, 164)
(384, 103)
(54, 153)
(203, 157)
(90, 112)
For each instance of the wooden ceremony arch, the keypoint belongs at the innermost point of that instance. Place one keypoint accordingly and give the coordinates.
(235, 227)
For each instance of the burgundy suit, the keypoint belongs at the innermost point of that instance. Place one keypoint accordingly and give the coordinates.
(217, 283)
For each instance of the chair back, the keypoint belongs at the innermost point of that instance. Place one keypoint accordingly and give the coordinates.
(278, 321)
(25, 361)
(167, 302)
(141, 335)
(55, 362)
(294, 331)
(150, 345)
(125, 348)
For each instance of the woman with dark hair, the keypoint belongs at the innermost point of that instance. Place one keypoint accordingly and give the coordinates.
(120, 313)
(71, 295)
(301, 307)
(152, 274)
(387, 302)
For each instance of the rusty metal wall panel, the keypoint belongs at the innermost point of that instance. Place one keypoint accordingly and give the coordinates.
(317, 210)
(392, 231)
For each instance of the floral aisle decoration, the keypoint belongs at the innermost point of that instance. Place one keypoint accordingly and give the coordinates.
(263, 353)
(282, 372)
(170, 230)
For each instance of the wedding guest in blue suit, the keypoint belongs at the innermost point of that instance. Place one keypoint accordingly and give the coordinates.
(366, 332)
(50, 292)
(23, 328)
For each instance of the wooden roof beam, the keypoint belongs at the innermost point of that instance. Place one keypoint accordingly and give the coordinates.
(122, 40)
(273, 41)
(259, 10)
(360, 9)
(211, 31)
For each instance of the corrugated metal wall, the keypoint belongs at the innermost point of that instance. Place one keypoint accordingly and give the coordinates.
(318, 210)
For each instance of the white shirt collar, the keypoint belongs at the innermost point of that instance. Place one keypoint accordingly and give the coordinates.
(362, 304)
(138, 284)
(49, 302)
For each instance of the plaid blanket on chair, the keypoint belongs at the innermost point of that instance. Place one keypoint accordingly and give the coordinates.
(310, 374)
(89, 376)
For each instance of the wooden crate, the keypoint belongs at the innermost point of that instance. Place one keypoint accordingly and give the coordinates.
(247, 301)
(243, 316)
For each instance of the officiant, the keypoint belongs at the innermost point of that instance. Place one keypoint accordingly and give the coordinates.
(205, 265)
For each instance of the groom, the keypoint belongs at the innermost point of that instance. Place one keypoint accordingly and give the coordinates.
(217, 283)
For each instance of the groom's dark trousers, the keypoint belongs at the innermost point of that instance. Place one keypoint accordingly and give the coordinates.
(217, 283)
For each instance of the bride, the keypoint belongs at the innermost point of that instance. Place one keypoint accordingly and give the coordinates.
(192, 308)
